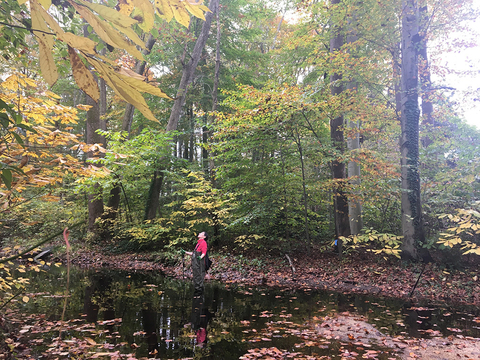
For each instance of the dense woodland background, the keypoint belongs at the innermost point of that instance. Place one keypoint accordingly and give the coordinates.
(279, 126)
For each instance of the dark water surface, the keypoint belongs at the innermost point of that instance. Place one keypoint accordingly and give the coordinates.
(156, 316)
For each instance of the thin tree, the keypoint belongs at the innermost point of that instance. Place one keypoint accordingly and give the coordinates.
(187, 77)
(412, 220)
(342, 225)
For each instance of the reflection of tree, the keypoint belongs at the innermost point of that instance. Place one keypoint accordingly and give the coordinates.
(149, 317)
(95, 298)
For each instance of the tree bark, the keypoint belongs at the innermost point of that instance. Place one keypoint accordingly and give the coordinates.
(354, 203)
(296, 137)
(353, 145)
(94, 122)
(189, 68)
(95, 199)
(217, 63)
(342, 224)
(412, 220)
(425, 81)
(154, 195)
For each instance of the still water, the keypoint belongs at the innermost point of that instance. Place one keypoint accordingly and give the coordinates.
(157, 317)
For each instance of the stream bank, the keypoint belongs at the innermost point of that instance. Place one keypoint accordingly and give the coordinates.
(376, 275)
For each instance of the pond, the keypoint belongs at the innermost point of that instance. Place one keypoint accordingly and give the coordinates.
(152, 316)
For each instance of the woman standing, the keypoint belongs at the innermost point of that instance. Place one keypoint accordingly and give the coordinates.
(198, 262)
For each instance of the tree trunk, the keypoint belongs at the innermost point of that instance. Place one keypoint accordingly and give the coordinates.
(217, 64)
(425, 82)
(187, 78)
(297, 140)
(354, 203)
(412, 221)
(95, 199)
(153, 199)
(94, 123)
(353, 145)
(342, 224)
(189, 68)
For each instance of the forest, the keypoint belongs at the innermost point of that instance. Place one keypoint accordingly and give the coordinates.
(281, 128)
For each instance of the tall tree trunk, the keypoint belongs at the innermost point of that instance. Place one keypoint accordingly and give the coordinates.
(153, 199)
(354, 203)
(189, 68)
(353, 145)
(217, 63)
(342, 224)
(95, 199)
(94, 123)
(412, 220)
(209, 164)
(296, 137)
(425, 81)
(187, 78)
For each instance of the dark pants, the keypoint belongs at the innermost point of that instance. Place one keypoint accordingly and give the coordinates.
(198, 269)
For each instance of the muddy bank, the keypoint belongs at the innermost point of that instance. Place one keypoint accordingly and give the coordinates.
(376, 276)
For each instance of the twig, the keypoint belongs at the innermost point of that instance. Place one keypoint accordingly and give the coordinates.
(13, 297)
(40, 243)
(421, 272)
(26, 28)
(65, 237)
(291, 266)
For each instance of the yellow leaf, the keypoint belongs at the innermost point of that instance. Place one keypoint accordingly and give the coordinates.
(125, 7)
(181, 14)
(131, 73)
(25, 299)
(77, 42)
(164, 10)
(21, 2)
(45, 42)
(110, 14)
(142, 85)
(45, 3)
(120, 42)
(47, 18)
(106, 32)
(195, 10)
(83, 77)
(123, 89)
(145, 8)
(84, 107)
(132, 35)
(47, 63)
(52, 95)
(80, 43)
(38, 23)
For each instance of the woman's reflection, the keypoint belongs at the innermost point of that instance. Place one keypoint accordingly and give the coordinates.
(200, 319)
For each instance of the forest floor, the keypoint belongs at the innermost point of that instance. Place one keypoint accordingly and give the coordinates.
(363, 274)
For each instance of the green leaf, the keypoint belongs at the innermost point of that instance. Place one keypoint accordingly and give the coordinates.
(7, 178)
(18, 138)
